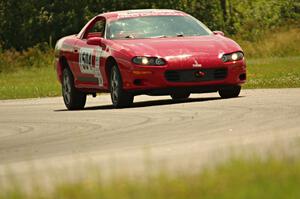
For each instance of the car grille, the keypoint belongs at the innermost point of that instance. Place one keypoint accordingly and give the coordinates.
(191, 75)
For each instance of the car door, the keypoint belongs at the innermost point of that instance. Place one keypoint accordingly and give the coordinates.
(89, 72)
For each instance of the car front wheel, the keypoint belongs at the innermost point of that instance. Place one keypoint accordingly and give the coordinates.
(230, 92)
(74, 99)
(119, 97)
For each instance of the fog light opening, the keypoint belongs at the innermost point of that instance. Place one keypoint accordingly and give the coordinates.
(137, 82)
(243, 76)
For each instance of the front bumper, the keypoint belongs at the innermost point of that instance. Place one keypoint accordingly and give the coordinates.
(151, 78)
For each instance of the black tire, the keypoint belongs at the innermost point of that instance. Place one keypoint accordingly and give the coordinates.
(119, 97)
(180, 96)
(230, 92)
(74, 99)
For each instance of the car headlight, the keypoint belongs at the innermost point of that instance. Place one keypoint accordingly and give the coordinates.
(232, 57)
(149, 61)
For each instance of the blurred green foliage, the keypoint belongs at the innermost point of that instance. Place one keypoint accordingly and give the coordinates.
(25, 23)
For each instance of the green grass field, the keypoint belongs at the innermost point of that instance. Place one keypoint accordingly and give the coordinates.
(273, 62)
(280, 72)
(28, 74)
(29, 83)
(238, 178)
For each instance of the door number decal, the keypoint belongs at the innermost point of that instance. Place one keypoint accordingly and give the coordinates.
(86, 62)
(98, 74)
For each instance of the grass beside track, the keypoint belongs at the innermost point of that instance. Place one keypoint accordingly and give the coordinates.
(280, 72)
(273, 62)
(239, 178)
(277, 72)
(29, 83)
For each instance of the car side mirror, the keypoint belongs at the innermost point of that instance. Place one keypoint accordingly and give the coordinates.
(218, 33)
(96, 41)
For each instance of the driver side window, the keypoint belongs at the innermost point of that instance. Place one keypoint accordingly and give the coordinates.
(97, 29)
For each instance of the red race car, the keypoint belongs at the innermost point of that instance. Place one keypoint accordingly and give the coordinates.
(153, 52)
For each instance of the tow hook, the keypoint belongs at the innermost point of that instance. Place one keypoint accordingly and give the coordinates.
(199, 74)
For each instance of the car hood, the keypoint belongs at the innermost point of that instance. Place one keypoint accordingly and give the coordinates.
(171, 48)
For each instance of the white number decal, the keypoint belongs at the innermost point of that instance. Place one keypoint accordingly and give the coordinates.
(86, 62)
(98, 74)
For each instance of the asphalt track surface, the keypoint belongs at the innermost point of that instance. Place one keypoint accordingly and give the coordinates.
(43, 132)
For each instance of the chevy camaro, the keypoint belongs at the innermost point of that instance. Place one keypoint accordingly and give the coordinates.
(152, 52)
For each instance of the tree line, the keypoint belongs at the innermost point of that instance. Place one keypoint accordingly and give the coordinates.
(26, 23)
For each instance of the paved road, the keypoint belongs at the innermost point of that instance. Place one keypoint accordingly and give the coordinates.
(201, 128)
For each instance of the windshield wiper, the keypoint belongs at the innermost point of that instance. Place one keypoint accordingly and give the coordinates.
(159, 36)
(179, 34)
(129, 37)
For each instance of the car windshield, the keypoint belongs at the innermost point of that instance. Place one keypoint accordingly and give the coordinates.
(156, 27)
